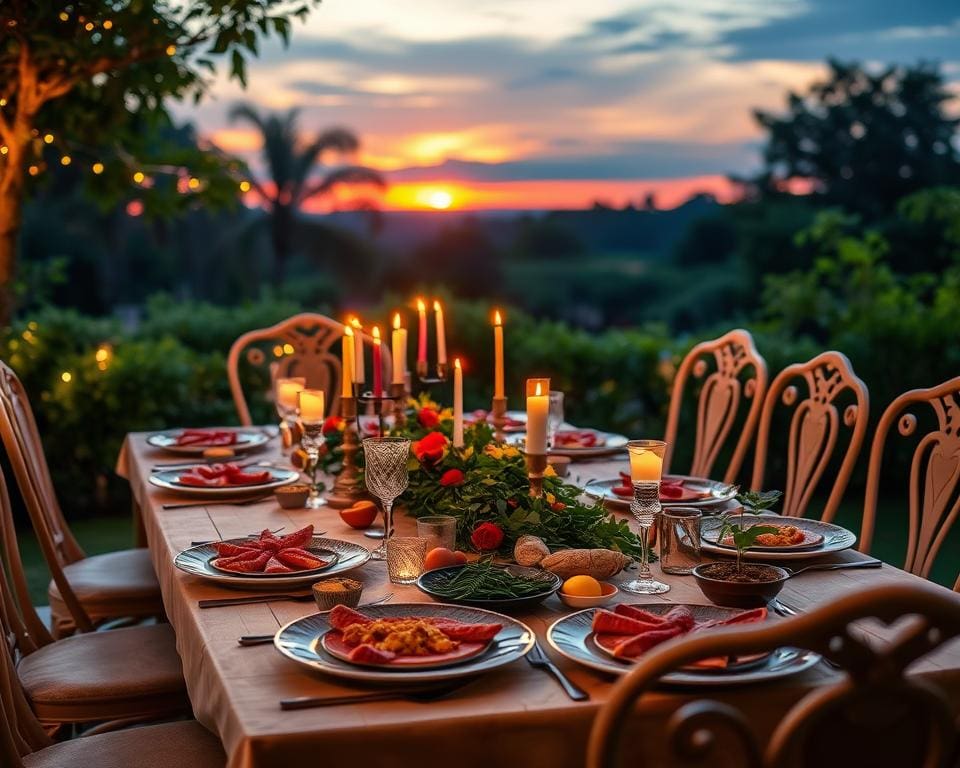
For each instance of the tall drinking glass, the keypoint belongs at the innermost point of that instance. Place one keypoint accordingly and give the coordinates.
(554, 416)
(386, 476)
(286, 391)
(646, 469)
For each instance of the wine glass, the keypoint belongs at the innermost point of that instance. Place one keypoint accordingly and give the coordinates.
(310, 415)
(554, 416)
(385, 473)
(286, 391)
(646, 468)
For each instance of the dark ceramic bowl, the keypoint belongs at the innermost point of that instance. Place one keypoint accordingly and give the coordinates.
(739, 594)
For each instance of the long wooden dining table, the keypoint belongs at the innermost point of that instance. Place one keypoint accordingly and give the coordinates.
(515, 715)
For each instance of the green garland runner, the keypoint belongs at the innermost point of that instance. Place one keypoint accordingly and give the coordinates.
(486, 482)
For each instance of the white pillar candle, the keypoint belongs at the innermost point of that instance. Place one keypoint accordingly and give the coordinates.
(457, 404)
(538, 408)
(497, 355)
(311, 406)
(346, 376)
(359, 375)
(399, 350)
(441, 335)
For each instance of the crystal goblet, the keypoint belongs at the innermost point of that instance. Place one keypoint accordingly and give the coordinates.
(385, 473)
(646, 468)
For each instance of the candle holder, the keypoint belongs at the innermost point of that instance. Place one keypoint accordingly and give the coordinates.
(423, 373)
(499, 418)
(376, 403)
(347, 490)
(311, 441)
(398, 392)
(536, 466)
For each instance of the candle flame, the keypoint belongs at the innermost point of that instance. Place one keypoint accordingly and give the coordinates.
(436, 305)
(421, 307)
(376, 334)
(355, 323)
(538, 392)
(456, 363)
(396, 321)
(348, 331)
(497, 320)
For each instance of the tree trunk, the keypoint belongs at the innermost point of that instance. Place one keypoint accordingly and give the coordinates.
(281, 233)
(11, 211)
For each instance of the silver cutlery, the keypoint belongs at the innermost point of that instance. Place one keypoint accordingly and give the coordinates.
(219, 502)
(786, 611)
(419, 694)
(540, 660)
(264, 639)
(223, 602)
(837, 566)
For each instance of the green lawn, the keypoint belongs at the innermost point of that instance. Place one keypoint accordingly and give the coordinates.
(108, 533)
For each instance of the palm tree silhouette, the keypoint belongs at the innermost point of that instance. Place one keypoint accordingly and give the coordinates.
(290, 163)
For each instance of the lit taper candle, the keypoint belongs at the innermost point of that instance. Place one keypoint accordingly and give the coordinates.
(399, 340)
(457, 404)
(346, 377)
(497, 355)
(441, 334)
(538, 407)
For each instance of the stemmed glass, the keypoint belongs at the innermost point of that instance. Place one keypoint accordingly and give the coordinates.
(310, 413)
(646, 469)
(286, 391)
(385, 473)
(554, 416)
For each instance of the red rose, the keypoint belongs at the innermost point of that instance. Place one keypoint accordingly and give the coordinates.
(332, 424)
(513, 503)
(430, 449)
(487, 537)
(428, 418)
(451, 477)
(558, 506)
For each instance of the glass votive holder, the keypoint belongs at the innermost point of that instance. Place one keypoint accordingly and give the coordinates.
(438, 531)
(405, 555)
(679, 540)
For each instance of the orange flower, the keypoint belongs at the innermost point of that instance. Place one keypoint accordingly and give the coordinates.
(430, 449)
(428, 418)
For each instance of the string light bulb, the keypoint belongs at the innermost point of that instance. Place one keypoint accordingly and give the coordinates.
(244, 186)
(66, 377)
(88, 26)
(194, 183)
(4, 149)
(97, 168)
(108, 24)
(33, 170)
(66, 160)
(48, 138)
(64, 16)
(171, 49)
(138, 177)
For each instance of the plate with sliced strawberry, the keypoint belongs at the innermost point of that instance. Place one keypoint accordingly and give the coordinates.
(196, 441)
(405, 641)
(613, 640)
(271, 560)
(675, 491)
(227, 478)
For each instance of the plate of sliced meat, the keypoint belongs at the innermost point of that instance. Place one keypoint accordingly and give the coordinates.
(675, 491)
(196, 441)
(796, 538)
(223, 479)
(613, 640)
(269, 562)
(403, 642)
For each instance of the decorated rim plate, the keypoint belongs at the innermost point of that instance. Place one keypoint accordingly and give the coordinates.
(300, 640)
(327, 555)
(715, 492)
(611, 444)
(431, 579)
(834, 539)
(169, 480)
(196, 561)
(246, 441)
(572, 637)
(332, 642)
(811, 540)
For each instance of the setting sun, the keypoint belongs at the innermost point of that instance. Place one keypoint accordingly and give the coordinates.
(440, 199)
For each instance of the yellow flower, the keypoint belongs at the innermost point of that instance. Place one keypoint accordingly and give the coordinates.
(509, 452)
(468, 452)
(446, 414)
(551, 499)
(549, 471)
(494, 451)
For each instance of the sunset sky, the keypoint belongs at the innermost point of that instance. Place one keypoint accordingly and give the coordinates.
(513, 104)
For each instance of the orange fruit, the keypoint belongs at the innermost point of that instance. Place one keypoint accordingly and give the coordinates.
(440, 557)
(582, 586)
(360, 515)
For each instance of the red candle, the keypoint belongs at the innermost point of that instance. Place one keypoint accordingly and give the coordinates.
(377, 373)
(422, 345)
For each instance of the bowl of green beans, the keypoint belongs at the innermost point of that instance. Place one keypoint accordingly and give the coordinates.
(486, 584)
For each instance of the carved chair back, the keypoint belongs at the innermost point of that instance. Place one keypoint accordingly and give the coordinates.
(21, 438)
(934, 482)
(875, 714)
(306, 345)
(815, 428)
(733, 377)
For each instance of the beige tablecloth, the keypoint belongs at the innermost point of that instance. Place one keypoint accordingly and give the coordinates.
(516, 715)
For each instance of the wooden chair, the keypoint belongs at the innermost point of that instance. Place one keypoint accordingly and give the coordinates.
(814, 429)
(117, 676)
(738, 378)
(85, 591)
(25, 744)
(934, 503)
(874, 715)
(315, 340)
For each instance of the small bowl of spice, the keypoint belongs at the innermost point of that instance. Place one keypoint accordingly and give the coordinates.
(330, 593)
(292, 496)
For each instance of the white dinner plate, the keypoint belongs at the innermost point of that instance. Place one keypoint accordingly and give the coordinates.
(168, 480)
(719, 493)
(247, 439)
(196, 562)
(835, 538)
(611, 444)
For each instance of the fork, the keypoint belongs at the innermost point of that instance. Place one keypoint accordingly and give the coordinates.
(219, 503)
(782, 609)
(540, 660)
